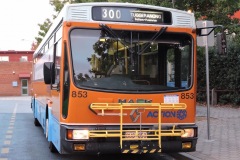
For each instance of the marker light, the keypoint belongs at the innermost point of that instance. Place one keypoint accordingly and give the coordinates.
(79, 147)
(186, 145)
(188, 133)
(77, 134)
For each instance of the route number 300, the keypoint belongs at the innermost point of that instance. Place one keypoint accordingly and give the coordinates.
(111, 13)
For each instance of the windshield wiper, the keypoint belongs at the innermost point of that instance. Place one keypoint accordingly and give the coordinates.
(161, 31)
(111, 32)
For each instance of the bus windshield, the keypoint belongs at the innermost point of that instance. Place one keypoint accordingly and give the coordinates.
(131, 61)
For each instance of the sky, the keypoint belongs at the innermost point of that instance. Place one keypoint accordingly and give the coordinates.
(19, 21)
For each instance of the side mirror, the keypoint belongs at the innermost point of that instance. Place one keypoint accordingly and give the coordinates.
(49, 72)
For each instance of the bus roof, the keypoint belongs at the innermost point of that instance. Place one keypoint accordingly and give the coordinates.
(83, 12)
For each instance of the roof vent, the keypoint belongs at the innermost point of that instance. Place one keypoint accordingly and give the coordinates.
(78, 13)
(183, 20)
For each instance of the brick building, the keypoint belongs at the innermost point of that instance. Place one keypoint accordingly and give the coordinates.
(15, 73)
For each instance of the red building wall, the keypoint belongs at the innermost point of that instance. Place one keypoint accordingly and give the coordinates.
(12, 72)
(236, 15)
(14, 56)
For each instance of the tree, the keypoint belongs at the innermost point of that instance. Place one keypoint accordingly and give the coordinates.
(58, 5)
(218, 11)
(43, 30)
(223, 71)
(34, 46)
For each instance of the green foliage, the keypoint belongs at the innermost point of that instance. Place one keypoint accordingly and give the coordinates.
(84, 1)
(218, 11)
(43, 30)
(58, 5)
(224, 73)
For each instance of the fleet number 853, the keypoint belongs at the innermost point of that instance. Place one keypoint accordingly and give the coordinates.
(79, 94)
(187, 95)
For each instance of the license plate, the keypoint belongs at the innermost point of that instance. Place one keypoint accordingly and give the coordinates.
(135, 135)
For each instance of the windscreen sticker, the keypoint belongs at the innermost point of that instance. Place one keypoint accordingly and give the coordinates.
(171, 99)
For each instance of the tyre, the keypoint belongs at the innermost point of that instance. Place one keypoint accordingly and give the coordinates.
(52, 148)
(36, 122)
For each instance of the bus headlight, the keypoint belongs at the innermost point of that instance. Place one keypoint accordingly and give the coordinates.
(77, 134)
(189, 132)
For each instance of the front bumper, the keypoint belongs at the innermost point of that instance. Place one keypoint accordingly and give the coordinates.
(105, 145)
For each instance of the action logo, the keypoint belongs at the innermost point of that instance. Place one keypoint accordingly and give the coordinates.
(179, 114)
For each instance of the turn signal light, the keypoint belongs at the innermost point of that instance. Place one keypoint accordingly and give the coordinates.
(186, 145)
(79, 147)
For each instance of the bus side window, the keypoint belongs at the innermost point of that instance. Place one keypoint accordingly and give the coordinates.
(57, 60)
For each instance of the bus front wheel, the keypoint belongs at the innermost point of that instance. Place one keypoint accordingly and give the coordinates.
(52, 148)
(36, 122)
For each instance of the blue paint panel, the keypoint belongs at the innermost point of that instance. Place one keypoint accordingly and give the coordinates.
(34, 106)
(53, 127)
(39, 113)
(54, 130)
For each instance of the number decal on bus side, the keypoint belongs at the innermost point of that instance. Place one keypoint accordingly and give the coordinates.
(79, 94)
(187, 95)
(111, 14)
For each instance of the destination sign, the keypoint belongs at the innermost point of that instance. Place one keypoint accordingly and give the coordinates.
(131, 15)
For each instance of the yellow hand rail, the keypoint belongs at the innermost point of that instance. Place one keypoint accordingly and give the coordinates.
(102, 108)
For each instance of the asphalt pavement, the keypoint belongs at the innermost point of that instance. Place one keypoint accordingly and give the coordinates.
(222, 140)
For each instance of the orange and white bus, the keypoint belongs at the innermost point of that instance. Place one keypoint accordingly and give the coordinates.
(117, 78)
